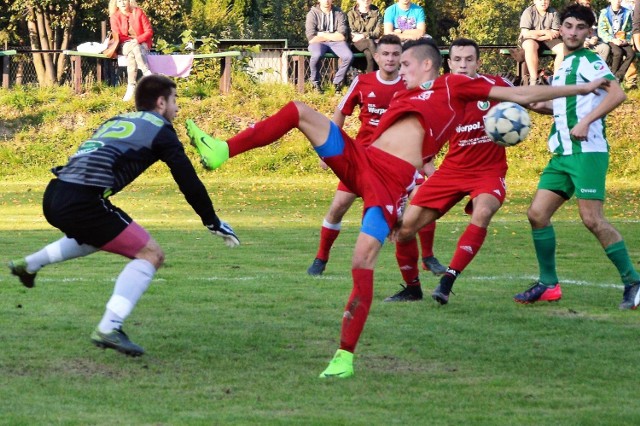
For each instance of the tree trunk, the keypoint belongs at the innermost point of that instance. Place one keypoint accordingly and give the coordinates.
(44, 31)
(38, 61)
(50, 66)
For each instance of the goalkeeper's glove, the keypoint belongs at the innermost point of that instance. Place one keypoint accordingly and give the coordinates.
(225, 231)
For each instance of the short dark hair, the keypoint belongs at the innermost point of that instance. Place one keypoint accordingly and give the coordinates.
(150, 88)
(580, 12)
(424, 48)
(390, 39)
(463, 42)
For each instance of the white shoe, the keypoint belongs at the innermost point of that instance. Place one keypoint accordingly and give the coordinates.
(131, 90)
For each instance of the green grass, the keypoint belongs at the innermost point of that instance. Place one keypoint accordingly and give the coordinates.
(239, 336)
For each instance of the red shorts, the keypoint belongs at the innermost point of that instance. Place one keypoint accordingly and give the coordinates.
(381, 179)
(444, 190)
(342, 187)
(419, 180)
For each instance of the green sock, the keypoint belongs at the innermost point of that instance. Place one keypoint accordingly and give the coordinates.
(618, 254)
(544, 241)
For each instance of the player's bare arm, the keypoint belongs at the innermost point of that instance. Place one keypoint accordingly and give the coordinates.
(531, 94)
(403, 139)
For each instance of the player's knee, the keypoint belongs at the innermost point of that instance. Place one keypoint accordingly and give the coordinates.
(302, 108)
(160, 259)
(405, 234)
(536, 217)
(592, 222)
(360, 261)
(483, 215)
(156, 258)
(153, 254)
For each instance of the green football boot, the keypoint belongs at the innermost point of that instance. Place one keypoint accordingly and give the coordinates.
(213, 151)
(116, 339)
(341, 366)
(19, 269)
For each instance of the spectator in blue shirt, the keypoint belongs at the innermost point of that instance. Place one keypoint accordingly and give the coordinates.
(615, 28)
(406, 20)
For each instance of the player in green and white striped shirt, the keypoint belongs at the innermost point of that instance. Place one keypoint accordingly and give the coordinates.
(579, 163)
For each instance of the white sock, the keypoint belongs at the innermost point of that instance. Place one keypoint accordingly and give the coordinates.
(333, 226)
(132, 282)
(58, 251)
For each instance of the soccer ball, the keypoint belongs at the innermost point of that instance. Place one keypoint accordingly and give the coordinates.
(507, 123)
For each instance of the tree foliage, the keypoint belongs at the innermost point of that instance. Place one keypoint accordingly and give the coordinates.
(62, 24)
(49, 25)
(490, 21)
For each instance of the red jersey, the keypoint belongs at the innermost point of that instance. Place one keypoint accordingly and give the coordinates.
(439, 105)
(373, 95)
(471, 151)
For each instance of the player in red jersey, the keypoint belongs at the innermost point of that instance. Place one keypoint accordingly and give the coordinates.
(414, 128)
(473, 166)
(371, 93)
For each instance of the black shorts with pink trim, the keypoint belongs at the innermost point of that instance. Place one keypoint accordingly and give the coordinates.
(82, 213)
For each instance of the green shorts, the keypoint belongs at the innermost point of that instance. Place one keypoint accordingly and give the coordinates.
(584, 174)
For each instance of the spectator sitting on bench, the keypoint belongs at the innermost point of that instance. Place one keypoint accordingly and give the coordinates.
(365, 23)
(406, 20)
(593, 42)
(135, 32)
(636, 27)
(540, 30)
(327, 31)
(614, 27)
(631, 77)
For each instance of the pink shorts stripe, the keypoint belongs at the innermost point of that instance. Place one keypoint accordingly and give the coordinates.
(129, 242)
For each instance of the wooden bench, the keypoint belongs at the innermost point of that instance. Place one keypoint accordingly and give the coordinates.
(227, 58)
(522, 72)
(299, 56)
(77, 78)
(6, 62)
(264, 43)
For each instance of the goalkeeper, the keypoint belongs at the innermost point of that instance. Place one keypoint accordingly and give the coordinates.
(77, 202)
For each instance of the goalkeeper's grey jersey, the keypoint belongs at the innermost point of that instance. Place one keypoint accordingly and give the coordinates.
(124, 147)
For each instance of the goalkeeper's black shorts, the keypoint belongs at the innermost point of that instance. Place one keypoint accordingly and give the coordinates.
(82, 213)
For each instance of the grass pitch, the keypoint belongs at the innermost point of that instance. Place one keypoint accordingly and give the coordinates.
(239, 336)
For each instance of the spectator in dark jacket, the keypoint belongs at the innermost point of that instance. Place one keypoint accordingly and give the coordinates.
(327, 31)
(365, 23)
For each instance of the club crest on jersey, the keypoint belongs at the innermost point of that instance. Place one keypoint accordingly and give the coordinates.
(89, 146)
(424, 95)
(483, 105)
(598, 66)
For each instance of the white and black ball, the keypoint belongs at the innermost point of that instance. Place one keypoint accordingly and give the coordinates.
(507, 123)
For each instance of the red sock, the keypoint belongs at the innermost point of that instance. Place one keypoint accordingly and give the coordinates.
(427, 235)
(407, 257)
(357, 309)
(468, 246)
(266, 131)
(327, 237)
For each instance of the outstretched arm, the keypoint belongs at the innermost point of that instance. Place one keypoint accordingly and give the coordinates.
(530, 94)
